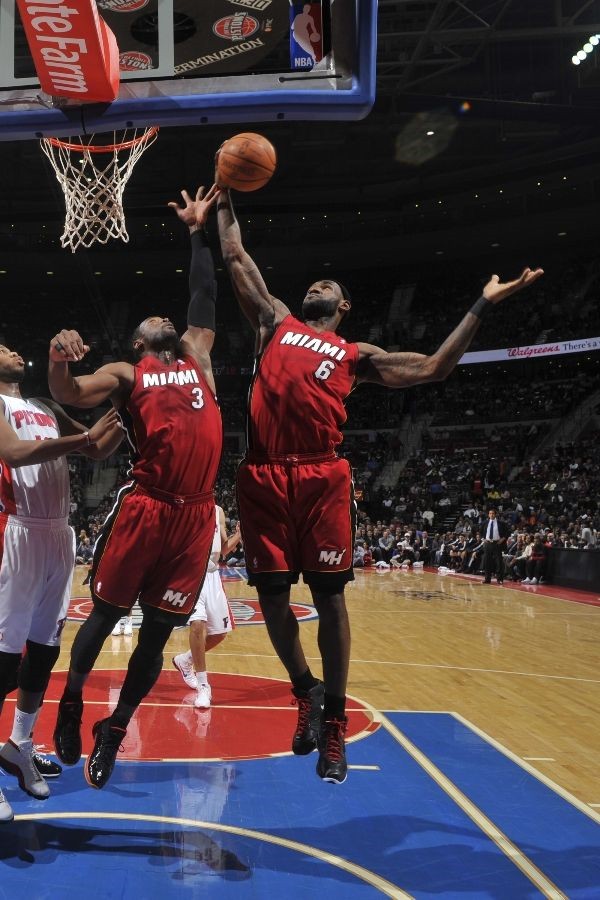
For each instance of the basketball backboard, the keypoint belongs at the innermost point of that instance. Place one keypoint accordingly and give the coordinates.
(186, 62)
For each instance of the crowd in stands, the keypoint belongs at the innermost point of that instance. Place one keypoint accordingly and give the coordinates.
(503, 412)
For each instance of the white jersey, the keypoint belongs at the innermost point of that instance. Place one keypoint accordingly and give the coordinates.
(40, 491)
(215, 553)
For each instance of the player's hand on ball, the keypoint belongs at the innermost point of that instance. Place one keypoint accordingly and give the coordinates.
(194, 213)
(496, 290)
(67, 346)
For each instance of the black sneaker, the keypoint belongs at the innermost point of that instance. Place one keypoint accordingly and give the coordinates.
(101, 761)
(45, 766)
(332, 764)
(67, 733)
(310, 718)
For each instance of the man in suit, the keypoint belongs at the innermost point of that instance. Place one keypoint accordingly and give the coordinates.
(496, 534)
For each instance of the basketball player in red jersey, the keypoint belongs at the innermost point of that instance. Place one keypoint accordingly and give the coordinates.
(156, 542)
(37, 555)
(294, 492)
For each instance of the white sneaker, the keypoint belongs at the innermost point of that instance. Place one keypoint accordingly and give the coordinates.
(128, 628)
(183, 662)
(203, 697)
(526, 581)
(6, 813)
(18, 761)
(117, 629)
(533, 581)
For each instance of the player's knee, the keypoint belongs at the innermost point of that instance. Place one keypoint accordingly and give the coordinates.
(329, 606)
(9, 669)
(37, 666)
(213, 640)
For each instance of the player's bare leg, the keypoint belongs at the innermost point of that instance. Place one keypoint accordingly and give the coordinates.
(284, 632)
(334, 644)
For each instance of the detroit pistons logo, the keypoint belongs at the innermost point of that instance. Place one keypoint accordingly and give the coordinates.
(134, 61)
(122, 6)
(236, 28)
(247, 611)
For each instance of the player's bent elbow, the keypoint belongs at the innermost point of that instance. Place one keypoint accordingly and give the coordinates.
(436, 370)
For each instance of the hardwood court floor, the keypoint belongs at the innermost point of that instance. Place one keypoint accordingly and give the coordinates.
(521, 666)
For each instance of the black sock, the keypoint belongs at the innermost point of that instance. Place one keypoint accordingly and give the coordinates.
(305, 682)
(334, 707)
(122, 715)
(70, 696)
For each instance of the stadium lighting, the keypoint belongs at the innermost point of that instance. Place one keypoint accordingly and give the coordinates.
(589, 47)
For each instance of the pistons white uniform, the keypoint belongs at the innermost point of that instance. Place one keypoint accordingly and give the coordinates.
(212, 606)
(37, 545)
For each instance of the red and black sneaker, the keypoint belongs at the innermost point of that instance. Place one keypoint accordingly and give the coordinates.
(100, 763)
(332, 764)
(67, 733)
(310, 718)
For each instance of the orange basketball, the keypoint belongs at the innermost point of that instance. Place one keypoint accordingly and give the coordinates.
(246, 162)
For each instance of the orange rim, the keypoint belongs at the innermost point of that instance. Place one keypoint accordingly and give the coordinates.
(103, 148)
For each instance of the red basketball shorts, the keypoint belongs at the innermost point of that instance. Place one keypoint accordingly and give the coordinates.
(297, 516)
(154, 550)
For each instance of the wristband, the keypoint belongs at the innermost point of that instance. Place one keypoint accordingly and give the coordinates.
(223, 206)
(88, 442)
(481, 308)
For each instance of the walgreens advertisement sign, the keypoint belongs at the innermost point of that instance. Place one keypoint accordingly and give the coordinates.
(531, 351)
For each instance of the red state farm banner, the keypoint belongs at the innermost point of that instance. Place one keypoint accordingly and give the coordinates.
(74, 51)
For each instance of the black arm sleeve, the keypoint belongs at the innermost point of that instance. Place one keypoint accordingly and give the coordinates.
(203, 287)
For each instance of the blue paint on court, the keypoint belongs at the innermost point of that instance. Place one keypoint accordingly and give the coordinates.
(394, 821)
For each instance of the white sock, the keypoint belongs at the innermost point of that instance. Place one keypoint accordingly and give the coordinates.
(22, 726)
(202, 677)
(37, 715)
(188, 657)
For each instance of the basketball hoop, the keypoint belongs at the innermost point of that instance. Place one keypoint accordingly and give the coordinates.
(93, 178)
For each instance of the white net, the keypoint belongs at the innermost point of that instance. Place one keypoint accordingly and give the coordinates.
(93, 178)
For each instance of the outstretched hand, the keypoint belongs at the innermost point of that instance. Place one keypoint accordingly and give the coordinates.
(195, 212)
(496, 290)
(106, 425)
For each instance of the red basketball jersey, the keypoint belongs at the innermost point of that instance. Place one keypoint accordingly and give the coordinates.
(174, 427)
(297, 395)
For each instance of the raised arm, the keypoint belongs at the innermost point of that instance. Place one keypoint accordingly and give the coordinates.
(403, 369)
(112, 381)
(201, 317)
(263, 311)
(17, 453)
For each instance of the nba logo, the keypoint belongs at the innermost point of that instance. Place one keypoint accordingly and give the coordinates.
(306, 35)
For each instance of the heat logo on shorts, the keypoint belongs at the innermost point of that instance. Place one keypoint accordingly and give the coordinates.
(237, 27)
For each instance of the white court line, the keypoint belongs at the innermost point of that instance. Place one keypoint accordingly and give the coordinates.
(510, 850)
(414, 665)
(366, 768)
(538, 758)
(566, 795)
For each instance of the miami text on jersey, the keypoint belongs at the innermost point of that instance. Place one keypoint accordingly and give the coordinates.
(297, 339)
(158, 379)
